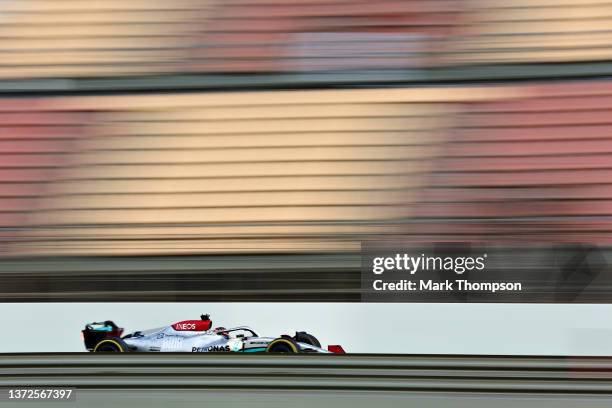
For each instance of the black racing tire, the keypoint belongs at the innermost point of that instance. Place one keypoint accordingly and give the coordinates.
(111, 345)
(303, 337)
(283, 345)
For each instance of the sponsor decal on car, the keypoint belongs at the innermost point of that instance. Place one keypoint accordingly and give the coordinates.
(235, 345)
(209, 349)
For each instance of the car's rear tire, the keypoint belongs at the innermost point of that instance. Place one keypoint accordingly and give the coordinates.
(303, 337)
(283, 345)
(111, 345)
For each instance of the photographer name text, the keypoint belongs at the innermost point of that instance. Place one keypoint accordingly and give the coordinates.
(430, 285)
(412, 264)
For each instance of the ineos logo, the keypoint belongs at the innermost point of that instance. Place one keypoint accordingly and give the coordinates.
(186, 326)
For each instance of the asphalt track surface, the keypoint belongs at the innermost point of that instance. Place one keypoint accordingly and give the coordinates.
(190, 380)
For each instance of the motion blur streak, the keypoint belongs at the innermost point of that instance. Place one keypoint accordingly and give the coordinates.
(422, 380)
(567, 375)
(282, 171)
(307, 171)
(274, 128)
(67, 39)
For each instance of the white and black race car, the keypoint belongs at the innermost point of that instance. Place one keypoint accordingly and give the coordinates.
(197, 336)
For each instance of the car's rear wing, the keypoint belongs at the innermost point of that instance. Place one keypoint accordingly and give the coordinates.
(96, 331)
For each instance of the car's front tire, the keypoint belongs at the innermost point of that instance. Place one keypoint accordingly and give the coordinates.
(111, 345)
(307, 338)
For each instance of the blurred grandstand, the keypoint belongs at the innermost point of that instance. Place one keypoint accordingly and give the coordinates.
(115, 139)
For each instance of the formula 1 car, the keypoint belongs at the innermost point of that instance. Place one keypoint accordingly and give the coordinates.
(197, 336)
